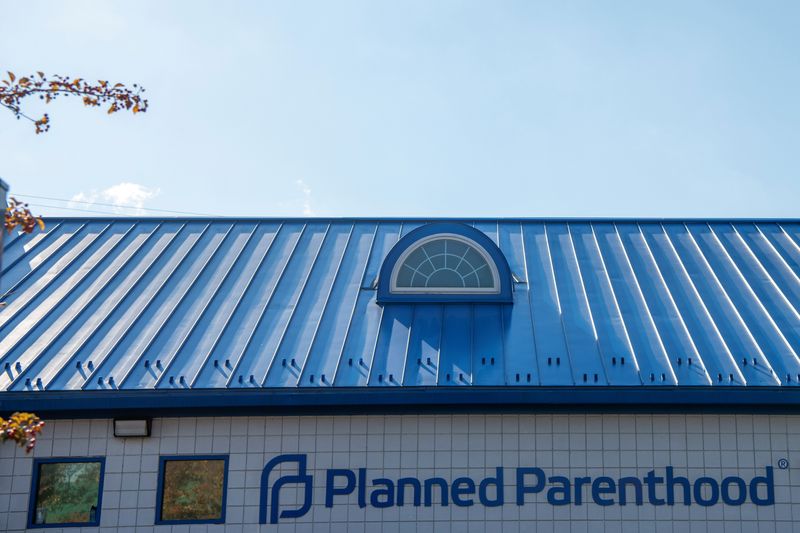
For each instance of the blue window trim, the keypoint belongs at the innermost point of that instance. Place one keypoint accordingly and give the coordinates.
(35, 484)
(385, 294)
(162, 460)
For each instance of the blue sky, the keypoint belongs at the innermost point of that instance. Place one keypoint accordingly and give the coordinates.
(415, 108)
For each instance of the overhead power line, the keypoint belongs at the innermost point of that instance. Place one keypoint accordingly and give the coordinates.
(80, 209)
(108, 205)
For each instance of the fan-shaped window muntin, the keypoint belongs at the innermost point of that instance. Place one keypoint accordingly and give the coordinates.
(445, 263)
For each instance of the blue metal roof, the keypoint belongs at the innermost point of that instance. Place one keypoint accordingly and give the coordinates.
(169, 304)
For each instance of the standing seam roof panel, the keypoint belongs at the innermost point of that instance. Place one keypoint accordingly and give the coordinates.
(668, 321)
(329, 337)
(519, 349)
(545, 315)
(144, 313)
(84, 297)
(248, 312)
(210, 304)
(81, 348)
(362, 331)
(612, 336)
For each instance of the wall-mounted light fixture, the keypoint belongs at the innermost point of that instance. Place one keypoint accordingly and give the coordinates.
(132, 427)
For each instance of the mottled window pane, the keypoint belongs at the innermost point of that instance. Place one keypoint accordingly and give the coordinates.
(67, 493)
(192, 490)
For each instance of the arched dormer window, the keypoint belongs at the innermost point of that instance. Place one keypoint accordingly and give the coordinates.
(445, 262)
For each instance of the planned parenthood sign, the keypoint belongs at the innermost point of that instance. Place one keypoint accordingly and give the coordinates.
(660, 486)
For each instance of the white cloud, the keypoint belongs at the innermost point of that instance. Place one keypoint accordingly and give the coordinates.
(306, 190)
(124, 198)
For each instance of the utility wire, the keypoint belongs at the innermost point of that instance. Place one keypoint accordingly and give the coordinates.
(110, 205)
(82, 210)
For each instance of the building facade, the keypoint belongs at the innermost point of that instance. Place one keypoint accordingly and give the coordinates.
(403, 375)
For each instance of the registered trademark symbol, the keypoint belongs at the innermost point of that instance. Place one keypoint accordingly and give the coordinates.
(783, 464)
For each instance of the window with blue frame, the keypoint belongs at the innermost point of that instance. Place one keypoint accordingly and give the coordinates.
(192, 489)
(66, 492)
(445, 262)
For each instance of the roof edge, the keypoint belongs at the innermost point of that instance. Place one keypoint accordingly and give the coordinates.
(388, 400)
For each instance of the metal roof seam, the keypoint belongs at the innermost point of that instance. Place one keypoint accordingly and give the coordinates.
(47, 312)
(325, 305)
(503, 352)
(86, 305)
(380, 322)
(726, 291)
(586, 303)
(35, 270)
(228, 322)
(528, 296)
(355, 304)
(439, 346)
(559, 289)
(780, 258)
(371, 329)
(167, 362)
(510, 239)
(16, 237)
(140, 316)
(326, 350)
(699, 298)
(211, 298)
(666, 288)
(281, 263)
(779, 286)
(293, 313)
(790, 238)
(408, 345)
(19, 238)
(472, 355)
(6, 317)
(648, 314)
(615, 300)
(754, 297)
(116, 305)
(257, 325)
(548, 246)
(793, 265)
(49, 235)
(702, 256)
(627, 344)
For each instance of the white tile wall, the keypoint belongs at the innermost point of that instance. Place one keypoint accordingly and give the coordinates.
(449, 446)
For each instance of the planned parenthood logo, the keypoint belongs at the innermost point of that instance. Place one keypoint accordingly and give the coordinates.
(657, 487)
(301, 478)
